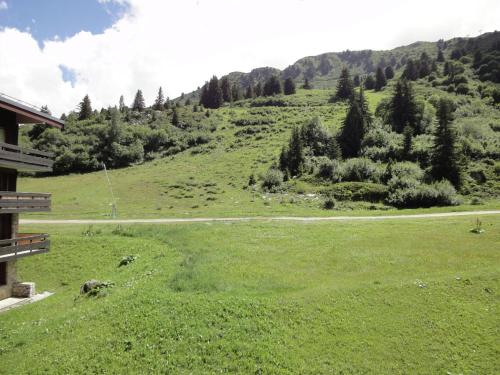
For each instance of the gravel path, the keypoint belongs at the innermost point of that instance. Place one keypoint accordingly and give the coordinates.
(259, 218)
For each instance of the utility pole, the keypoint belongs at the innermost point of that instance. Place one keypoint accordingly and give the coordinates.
(113, 201)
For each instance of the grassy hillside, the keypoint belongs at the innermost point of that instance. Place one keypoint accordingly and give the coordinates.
(269, 298)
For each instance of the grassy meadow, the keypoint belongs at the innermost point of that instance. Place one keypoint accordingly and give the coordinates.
(407, 296)
(212, 179)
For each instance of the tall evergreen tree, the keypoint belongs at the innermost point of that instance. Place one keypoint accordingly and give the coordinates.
(138, 104)
(175, 117)
(446, 161)
(295, 155)
(389, 72)
(440, 56)
(225, 87)
(121, 104)
(85, 109)
(159, 101)
(380, 80)
(289, 87)
(411, 70)
(369, 82)
(249, 94)
(407, 142)
(345, 86)
(258, 90)
(403, 107)
(212, 94)
(352, 131)
(236, 92)
(356, 80)
(272, 86)
(363, 105)
(307, 85)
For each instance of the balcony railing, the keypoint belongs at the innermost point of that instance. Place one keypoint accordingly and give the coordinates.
(15, 202)
(25, 159)
(24, 245)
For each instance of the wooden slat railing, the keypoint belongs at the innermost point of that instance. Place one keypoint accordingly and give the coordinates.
(23, 245)
(16, 157)
(14, 202)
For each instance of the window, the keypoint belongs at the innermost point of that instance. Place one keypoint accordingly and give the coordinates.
(3, 273)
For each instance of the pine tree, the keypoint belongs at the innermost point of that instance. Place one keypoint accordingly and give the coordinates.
(121, 104)
(159, 101)
(411, 71)
(272, 86)
(369, 82)
(380, 80)
(295, 155)
(440, 56)
(352, 131)
(356, 81)
(85, 109)
(289, 87)
(236, 92)
(258, 89)
(175, 117)
(389, 72)
(403, 107)
(307, 85)
(446, 161)
(225, 87)
(345, 86)
(407, 142)
(363, 105)
(211, 96)
(138, 104)
(249, 93)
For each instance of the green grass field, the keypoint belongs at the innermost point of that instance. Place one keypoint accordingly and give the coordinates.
(211, 180)
(398, 297)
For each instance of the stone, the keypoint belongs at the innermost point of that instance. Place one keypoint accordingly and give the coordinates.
(23, 290)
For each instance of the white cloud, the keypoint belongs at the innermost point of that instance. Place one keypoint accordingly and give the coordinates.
(4, 5)
(179, 44)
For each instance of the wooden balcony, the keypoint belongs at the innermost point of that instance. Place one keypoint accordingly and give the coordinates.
(25, 159)
(15, 202)
(25, 244)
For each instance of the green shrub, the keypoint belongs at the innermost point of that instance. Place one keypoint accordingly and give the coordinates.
(415, 195)
(329, 203)
(462, 89)
(330, 170)
(272, 180)
(404, 169)
(357, 191)
(361, 169)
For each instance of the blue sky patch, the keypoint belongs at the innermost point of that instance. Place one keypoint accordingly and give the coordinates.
(68, 75)
(46, 20)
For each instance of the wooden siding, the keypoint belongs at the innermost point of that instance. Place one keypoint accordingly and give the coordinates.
(14, 202)
(24, 245)
(25, 159)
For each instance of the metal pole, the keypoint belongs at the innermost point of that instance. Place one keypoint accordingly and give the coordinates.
(113, 202)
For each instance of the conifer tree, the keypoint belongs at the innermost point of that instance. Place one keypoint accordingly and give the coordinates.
(345, 86)
(407, 142)
(446, 163)
(352, 131)
(258, 89)
(363, 105)
(411, 71)
(289, 87)
(138, 104)
(307, 85)
(225, 87)
(403, 107)
(236, 92)
(295, 155)
(175, 117)
(440, 56)
(380, 80)
(85, 109)
(211, 96)
(356, 80)
(272, 86)
(121, 104)
(249, 93)
(159, 101)
(369, 82)
(389, 72)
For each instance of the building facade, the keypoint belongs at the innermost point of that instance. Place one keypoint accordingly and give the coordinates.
(13, 158)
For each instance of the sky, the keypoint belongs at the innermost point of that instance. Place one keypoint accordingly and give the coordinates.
(54, 52)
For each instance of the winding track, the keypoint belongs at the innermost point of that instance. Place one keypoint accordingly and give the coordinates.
(259, 218)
